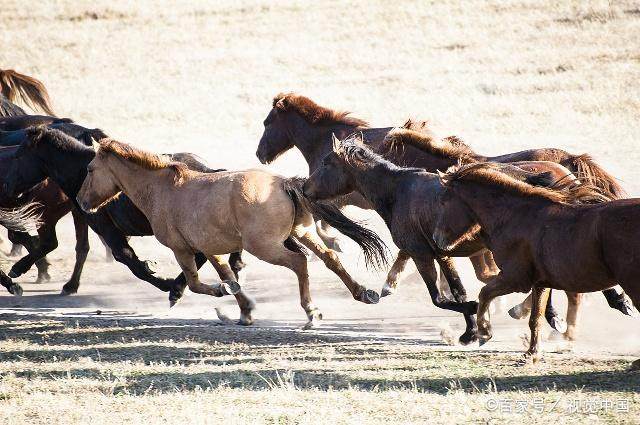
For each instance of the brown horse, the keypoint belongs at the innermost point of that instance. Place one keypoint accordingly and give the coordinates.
(406, 199)
(297, 121)
(540, 238)
(224, 212)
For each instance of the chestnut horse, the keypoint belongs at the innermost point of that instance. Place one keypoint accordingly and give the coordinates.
(540, 238)
(222, 213)
(405, 198)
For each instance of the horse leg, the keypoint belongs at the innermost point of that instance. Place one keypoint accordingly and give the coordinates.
(398, 267)
(331, 242)
(618, 301)
(48, 242)
(459, 294)
(485, 268)
(276, 253)
(332, 262)
(552, 316)
(246, 303)
(498, 286)
(236, 264)
(16, 250)
(187, 263)
(108, 255)
(82, 249)
(12, 287)
(31, 243)
(539, 302)
(573, 307)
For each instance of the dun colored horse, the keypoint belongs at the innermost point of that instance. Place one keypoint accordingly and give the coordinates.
(540, 238)
(49, 154)
(224, 212)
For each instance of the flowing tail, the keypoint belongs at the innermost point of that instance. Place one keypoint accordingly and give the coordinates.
(376, 253)
(22, 219)
(30, 91)
(588, 171)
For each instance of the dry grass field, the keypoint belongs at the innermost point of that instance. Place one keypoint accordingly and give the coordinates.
(172, 76)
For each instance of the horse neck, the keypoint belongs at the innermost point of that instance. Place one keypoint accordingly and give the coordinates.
(314, 141)
(68, 168)
(141, 185)
(495, 209)
(377, 184)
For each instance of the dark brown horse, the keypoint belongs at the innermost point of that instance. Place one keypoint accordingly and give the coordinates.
(406, 199)
(297, 121)
(540, 238)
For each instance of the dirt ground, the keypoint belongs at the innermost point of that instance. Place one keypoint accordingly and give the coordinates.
(199, 77)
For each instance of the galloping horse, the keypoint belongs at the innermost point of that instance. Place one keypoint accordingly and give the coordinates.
(224, 212)
(50, 154)
(406, 199)
(540, 238)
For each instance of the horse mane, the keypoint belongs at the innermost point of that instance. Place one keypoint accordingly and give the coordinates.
(491, 174)
(314, 113)
(147, 160)
(420, 137)
(42, 133)
(31, 91)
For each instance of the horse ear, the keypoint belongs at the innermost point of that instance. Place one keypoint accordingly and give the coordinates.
(337, 144)
(281, 104)
(95, 144)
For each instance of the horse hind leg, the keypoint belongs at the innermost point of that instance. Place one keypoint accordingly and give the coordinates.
(332, 262)
(539, 302)
(332, 242)
(246, 303)
(276, 253)
(459, 294)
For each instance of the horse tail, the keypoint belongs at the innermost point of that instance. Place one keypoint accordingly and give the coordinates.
(22, 219)
(588, 171)
(376, 253)
(31, 91)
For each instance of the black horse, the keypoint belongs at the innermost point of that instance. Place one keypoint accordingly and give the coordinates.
(51, 153)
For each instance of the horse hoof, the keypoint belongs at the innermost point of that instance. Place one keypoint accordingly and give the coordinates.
(558, 324)
(45, 277)
(16, 290)
(626, 307)
(311, 324)
(468, 338)
(517, 312)
(147, 265)
(387, 290)
(66, 292)
(230, 287)
(369, 296)
(635, 365)
(483, 339)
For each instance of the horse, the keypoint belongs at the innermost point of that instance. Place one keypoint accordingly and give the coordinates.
(297, 121)
(406, 198)
(219, 213)
(540, 239)
(50, 154)
(24, 219)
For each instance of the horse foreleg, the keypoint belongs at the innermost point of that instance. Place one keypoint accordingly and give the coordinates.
(236, 264)
(332, 262)
(399, 265)
(539, 302)
(12, 287)
(82, 249)
(496, 287)
(459, 294)
(108, 255)
(48, 241)
(30, 243)
(552, 316)
(618, 301)
(187, 263)
(246, 303)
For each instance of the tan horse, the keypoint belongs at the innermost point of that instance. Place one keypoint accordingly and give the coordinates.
(225, 212)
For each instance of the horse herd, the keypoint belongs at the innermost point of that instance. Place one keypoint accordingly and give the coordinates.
(529, 221)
